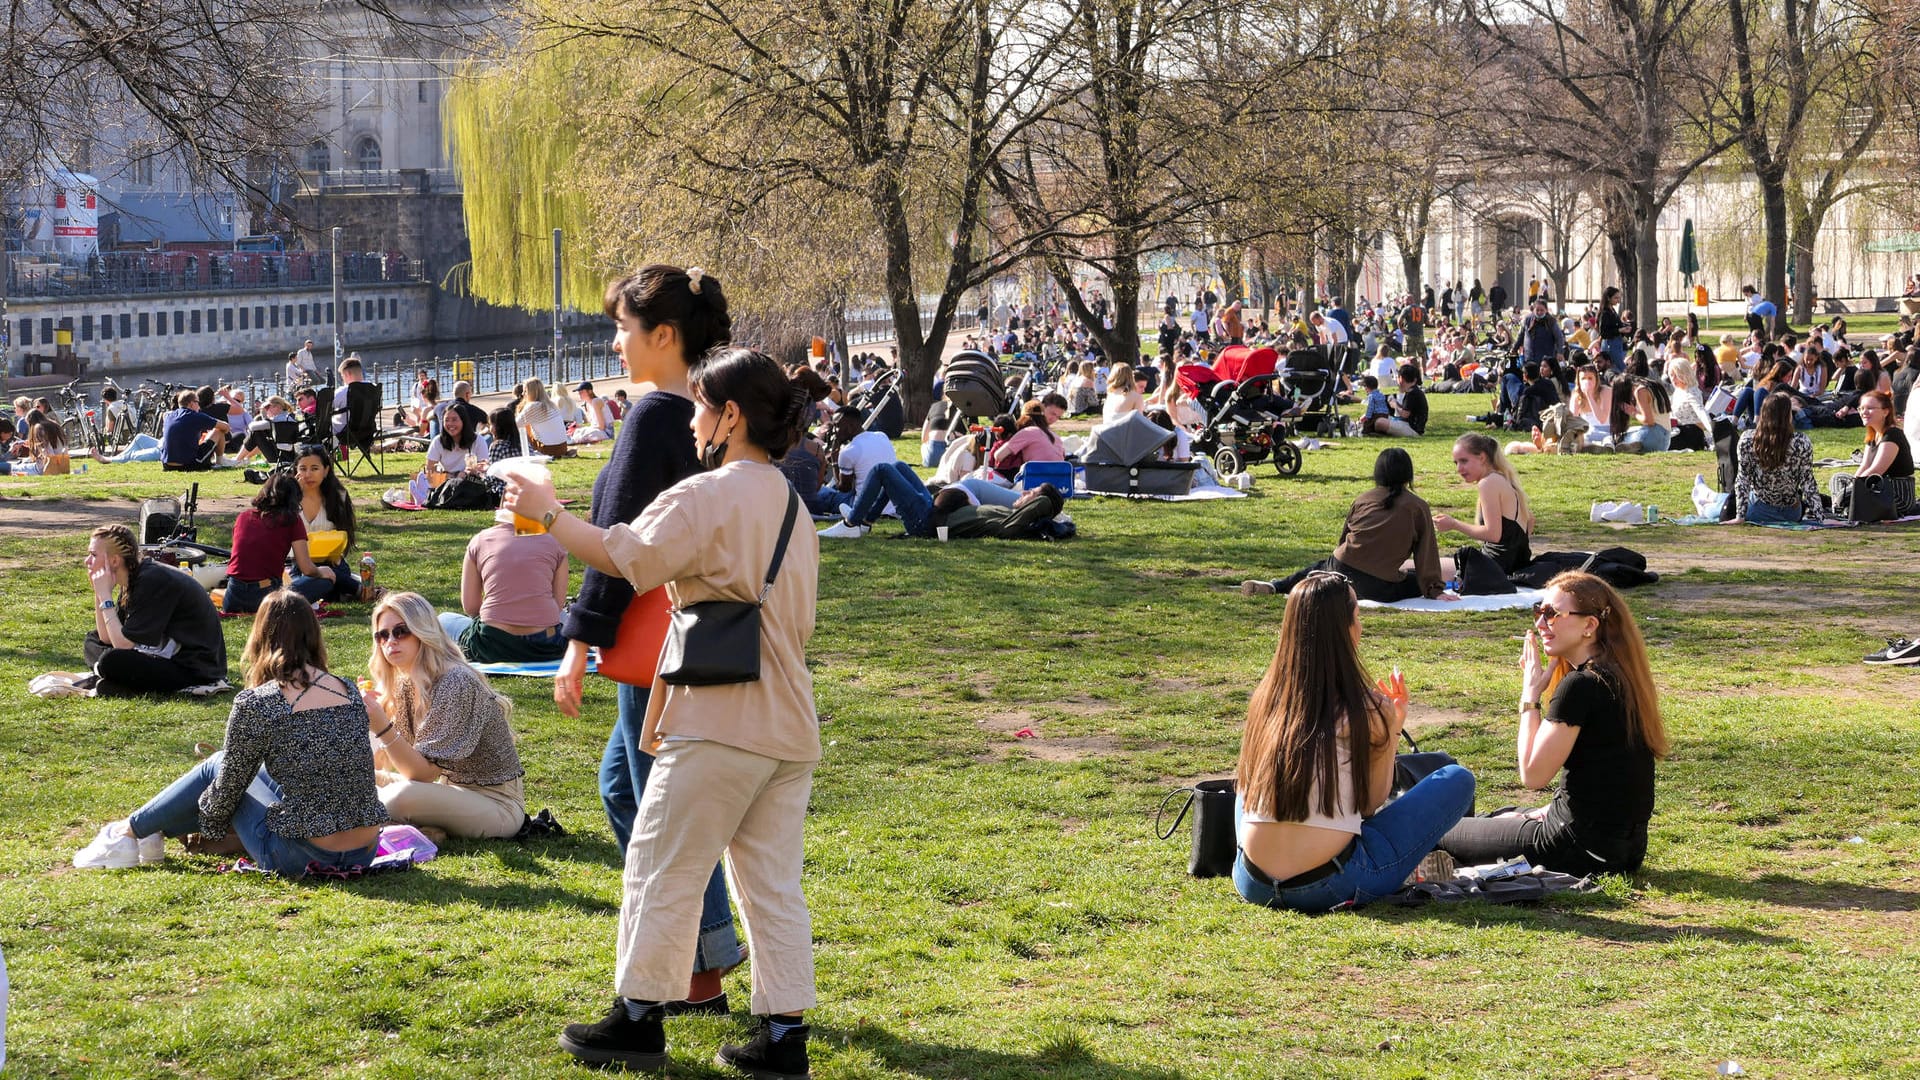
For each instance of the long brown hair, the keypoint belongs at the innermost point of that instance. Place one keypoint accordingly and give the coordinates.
(1621, 655)
(1315, 689)
(1773, 431)
(285, 642)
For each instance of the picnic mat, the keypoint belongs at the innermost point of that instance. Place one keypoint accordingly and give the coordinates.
(1198, 494)
(1525, 598)
(545, 670)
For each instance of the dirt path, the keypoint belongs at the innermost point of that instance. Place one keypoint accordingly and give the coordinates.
(67, 518)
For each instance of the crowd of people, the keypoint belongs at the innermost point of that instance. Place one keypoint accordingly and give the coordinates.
(711, 746)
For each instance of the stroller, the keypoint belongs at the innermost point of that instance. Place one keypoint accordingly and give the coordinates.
(882, 405)
(974, 390)
(1246, 426)
(1310, 378)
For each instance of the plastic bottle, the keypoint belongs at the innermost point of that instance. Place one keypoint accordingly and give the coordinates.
(1653, 513)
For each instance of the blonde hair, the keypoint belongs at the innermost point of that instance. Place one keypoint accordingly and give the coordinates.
(1474, 442)
(1120, 378)
(439, 653)
(1680, 372)
(536, 390)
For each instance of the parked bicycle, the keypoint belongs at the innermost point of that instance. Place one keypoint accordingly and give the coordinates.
(77, 420)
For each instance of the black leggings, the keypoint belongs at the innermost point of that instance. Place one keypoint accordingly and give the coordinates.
(1365, 585)
(128, 672)
(1553, 842)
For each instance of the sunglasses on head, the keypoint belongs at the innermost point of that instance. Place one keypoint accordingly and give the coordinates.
(396, 633)
(1550, 613)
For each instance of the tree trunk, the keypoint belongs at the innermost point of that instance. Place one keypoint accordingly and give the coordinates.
(1773, 275)
(1646, 293)
(1803, 284)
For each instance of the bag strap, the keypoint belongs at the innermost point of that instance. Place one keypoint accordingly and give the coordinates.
(780, 549)
(1191, 794)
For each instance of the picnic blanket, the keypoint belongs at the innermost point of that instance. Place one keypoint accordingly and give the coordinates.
(1198, 494)
(545, 670)
(1525, 598)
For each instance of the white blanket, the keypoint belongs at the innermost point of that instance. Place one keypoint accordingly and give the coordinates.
(1198, 494)
(1525, 598)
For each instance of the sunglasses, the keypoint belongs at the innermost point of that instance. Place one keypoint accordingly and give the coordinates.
(1550, 613)
(397, 633)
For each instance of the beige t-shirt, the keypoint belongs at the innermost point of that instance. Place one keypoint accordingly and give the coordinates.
(711, 537)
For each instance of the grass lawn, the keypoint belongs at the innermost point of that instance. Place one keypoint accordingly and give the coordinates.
(987, 906)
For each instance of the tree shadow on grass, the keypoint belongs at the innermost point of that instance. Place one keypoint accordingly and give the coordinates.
(1787, 891)
(1584, 920)
(1063, 1055)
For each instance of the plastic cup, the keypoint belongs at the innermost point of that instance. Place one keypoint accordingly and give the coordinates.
(941, 532)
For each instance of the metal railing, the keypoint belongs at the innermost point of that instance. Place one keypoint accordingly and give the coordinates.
(380, 181)
(496, 372)
(55, 277)
(871, 325)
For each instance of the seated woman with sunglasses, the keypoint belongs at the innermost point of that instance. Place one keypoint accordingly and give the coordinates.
(1384, 527)
(1316, 766)
(293, 780)
(447, 759)
(1588, 704)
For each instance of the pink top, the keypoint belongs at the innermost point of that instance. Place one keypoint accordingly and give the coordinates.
(516, 577)
(1028, 444)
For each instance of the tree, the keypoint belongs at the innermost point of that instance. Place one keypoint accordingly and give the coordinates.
(1565, 214)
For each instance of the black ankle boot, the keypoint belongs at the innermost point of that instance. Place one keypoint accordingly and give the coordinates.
(616, 1040)
(765, 1059)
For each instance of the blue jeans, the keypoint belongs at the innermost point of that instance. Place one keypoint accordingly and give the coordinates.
(176, 812)
(990, 493)
(1615, 350)
(247, 596)
(830, 500)
(624, 769)
(895, 482)
(1390, 845)
(931, 453)
(1763, 513)
(1648, 440)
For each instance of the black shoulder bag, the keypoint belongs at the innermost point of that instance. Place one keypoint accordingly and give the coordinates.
(1870, 500)
(717, 642)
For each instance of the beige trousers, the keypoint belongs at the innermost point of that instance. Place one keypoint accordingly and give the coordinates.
(705, 798)
(493, 812)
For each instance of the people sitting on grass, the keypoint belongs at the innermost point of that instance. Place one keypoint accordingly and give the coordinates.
(325, 507)
(1311, 819)
(1406, 415)
(272, 435)
(1887, 454)
(445, 757)
(1123, 396)
(1588, 704)
(155, 630)
(1775, 482)
(1502, 521)
(860, 451)
(189, 438)
(1033, 438)
(1384, 526)
(543, 427)
(805, 462)
(9, 436)
(513, 589)
(264, 536)
(46, 447)
(1592, 401)
(1642, 409)
(1746, 405)
(293, 780)
(1693, 428)
(887, 483)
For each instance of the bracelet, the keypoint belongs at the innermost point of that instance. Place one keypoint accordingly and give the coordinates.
(382, 732)
(1527, 706)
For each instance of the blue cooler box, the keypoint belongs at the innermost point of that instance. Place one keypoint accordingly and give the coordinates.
(1035, 473)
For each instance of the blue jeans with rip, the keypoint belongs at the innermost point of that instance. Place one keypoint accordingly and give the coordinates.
(895, 482)
(1390, 845)
(176, 812)
(624, 769)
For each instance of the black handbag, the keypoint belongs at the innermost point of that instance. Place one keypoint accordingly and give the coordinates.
(1870, 500)
(1214, 844)
(717, 642)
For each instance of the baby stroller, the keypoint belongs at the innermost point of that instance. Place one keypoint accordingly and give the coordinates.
(881, 405)
(1312, 381)
(974, 390)
(1247, 425)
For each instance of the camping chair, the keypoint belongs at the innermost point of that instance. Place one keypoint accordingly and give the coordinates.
(362, 430)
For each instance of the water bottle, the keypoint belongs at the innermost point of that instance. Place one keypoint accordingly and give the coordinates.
(83, 468)
(1653, 513)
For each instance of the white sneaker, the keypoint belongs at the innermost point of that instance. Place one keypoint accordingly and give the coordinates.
(1631, 513)
(114, 849)
(844, 531)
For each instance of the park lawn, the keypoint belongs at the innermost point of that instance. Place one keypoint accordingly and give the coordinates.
(987, 906)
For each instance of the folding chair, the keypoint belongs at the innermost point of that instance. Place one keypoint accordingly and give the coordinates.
(362, 431)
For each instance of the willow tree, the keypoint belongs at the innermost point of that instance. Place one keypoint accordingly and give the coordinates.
(796, 150)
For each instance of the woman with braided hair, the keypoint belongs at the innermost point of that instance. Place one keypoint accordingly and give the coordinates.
(154, 627)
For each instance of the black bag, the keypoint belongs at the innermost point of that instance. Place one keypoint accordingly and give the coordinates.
(461, 493)
(717, 642)
(1410, 769)
(1869, 500)
(1479, 575)
(1214, 845)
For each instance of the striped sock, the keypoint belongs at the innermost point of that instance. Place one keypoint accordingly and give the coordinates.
(781, 1028)
(637, 1009)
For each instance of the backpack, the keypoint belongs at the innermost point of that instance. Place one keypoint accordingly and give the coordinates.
(461, 493)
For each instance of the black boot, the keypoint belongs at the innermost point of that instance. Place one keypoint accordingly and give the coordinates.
(616, 1040)
(765, 1059)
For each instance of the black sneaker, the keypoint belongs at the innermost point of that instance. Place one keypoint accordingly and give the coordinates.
(713, 1006)
(765, 1059)
(1898, 651)
(539, 825)
(615, 1040)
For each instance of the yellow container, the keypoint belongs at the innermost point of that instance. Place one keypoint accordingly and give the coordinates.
(326, 545)
(462, 372)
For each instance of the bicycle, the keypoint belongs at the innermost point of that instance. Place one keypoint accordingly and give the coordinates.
(78, 426)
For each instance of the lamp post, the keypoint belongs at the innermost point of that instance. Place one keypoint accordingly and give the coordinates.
(339, 305)
(558, 369)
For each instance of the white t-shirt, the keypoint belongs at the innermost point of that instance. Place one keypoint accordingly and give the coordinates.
(869, 448)
(456, 459)
(304, 357)
(542, 421)
(1384, 368)
(1334, 332)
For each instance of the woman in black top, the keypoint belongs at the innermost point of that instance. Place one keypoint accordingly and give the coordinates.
(155, 630)
(1613, 342)
(1585, 660)
(1887, 455)
(294, 779)
(667, 318)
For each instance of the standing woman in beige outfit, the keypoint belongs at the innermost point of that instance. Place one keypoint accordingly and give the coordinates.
(734, 762)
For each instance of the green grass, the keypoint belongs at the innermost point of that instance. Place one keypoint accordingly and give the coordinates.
(987, 906)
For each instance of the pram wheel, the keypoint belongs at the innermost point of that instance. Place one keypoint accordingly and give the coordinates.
(1228, 462)
(1286, 458)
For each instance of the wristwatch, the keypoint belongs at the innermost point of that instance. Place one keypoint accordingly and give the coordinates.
(547, 519)
(106, 605)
